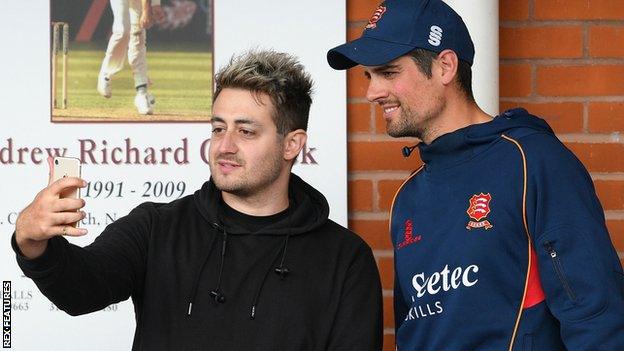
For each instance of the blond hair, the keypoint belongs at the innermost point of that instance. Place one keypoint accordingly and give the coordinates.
(276, 74)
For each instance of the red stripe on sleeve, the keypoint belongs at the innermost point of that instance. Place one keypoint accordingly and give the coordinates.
(534, 292)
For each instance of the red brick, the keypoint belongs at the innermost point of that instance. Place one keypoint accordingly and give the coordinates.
(579, 9)
(606, 41)
(616, 230)
(387, 189)
(606, 157)
(515, 80)
(610, 193)
(388, 312)
(380, 122)
(360, 195)
(388, 342)
(357, 84)
(375, 233)
(534, 42)
(606, 117)
(378, 156)
(358, 118)
(386, 272)
(513, 10)
(566, 117)
(361, 10)
(580, 80)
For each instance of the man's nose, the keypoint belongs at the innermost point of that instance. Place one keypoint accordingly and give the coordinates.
(228, 144)
(375, 90)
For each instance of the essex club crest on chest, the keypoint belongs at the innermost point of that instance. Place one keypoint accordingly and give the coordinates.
(478, 210)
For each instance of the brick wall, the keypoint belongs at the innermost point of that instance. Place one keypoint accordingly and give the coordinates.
(561, 59)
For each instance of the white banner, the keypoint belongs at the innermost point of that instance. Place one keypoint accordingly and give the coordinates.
(127, 163)
(481, 18)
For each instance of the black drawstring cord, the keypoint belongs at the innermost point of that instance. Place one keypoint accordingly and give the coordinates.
(281, 270)
(252, 315)
(254, 304)
(216, 293)
(197, 277)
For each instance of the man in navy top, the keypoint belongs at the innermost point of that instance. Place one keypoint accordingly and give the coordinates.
(499, 239)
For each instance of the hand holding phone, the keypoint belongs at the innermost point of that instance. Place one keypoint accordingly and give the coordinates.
(54, 211)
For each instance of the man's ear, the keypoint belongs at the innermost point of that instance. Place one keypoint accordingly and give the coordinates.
(448, 63)
(293, 143)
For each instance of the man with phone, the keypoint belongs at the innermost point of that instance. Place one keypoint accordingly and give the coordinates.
(248, 262)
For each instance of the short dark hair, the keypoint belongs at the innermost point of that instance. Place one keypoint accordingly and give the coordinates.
(424, 59)
(277, 74)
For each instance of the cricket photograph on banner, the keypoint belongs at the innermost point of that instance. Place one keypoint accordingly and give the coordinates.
(119, 63)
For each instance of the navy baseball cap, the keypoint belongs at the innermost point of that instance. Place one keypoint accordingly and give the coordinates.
(400, 26)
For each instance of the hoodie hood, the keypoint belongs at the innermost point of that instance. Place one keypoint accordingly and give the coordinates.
(463, 144)
(308, 209)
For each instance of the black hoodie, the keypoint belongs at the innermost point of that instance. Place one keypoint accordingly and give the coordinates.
(200, 283)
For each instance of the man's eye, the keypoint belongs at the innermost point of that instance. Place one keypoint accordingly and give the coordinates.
(246, 132)
(217, 130)
(389, 74)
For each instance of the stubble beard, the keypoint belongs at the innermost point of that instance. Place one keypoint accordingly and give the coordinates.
(410, 124)
(251, 182)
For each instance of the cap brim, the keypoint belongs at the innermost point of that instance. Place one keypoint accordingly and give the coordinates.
(365, 51)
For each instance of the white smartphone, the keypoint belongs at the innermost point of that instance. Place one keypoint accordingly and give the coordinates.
(67, 167)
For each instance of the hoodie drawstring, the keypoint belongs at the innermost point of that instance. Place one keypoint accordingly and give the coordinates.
(282, 271)
(214, 293)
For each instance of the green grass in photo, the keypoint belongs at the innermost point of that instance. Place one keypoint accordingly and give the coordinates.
(181, 77)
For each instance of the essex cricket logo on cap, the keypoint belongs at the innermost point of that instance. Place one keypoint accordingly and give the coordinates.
(478, 209)
(372, 22)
